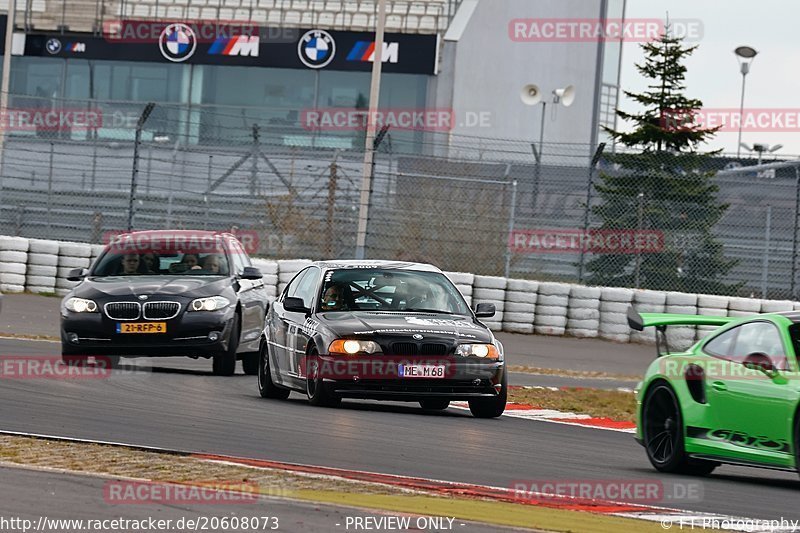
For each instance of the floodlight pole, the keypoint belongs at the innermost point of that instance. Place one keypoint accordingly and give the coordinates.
(369, 142)
(745, 68)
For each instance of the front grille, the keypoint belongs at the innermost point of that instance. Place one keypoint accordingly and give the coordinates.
(161, 310)
(122, 310)
(433, 349)
(412, 348)
(404, 348)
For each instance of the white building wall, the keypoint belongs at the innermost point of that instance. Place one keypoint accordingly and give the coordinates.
(485, 70)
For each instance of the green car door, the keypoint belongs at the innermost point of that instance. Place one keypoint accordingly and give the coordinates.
(752, 392)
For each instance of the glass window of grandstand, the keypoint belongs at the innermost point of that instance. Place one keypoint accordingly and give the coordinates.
(345, 91)
(233, 99)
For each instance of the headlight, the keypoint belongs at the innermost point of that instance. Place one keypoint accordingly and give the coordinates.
(81, 305)
(487, 351)
(212, 303)
(353, 347)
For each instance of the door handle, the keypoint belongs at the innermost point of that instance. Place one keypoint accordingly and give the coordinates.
(719, 386)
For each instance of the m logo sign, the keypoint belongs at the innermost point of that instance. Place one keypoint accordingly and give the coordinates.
(241, 45)
(364, 51)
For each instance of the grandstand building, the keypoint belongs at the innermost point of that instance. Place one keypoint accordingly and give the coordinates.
(269, 62)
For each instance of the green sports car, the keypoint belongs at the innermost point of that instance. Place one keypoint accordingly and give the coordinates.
(733, 397)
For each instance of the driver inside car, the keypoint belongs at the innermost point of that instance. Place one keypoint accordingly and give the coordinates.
(334, 299)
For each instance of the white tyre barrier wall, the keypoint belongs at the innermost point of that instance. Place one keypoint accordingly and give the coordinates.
(42, 246)
(710, 305)
(490, 290)
(776, 306)
(743, 306)
(614, 304)
(269, 273)
(13, 261)
(647, 301)
(551, 309)
(520, 306)
(685, 304)
(288, 269)
(71, 255)
(42, 267)
(463, 282)
(583, 312)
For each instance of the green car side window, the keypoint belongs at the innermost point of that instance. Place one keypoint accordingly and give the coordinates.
(760, 337)
(754, 337)
(722, 345)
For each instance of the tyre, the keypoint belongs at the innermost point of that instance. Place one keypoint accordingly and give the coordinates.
(434, 404)
(491, 407)
(225, 362)
(663, 434)
(317, 392)
(250, 363)
(266, 387)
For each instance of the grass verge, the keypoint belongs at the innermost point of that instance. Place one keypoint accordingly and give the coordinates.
(594, 402)
(118, 461)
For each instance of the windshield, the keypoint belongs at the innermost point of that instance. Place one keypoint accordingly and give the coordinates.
(161, 263)
(390, 290)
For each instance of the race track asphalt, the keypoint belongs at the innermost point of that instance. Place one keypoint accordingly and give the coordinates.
(177, 404)
(57, 497)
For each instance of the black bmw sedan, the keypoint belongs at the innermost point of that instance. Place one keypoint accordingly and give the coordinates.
(382, 331)
(167, 293)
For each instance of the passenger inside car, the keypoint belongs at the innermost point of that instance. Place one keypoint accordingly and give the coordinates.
(129, 265)
(191, 262)
(212, 263)
(151, 263)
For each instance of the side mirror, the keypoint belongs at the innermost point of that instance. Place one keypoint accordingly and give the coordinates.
(760, 361)
(485, 310)
(77, 274)
(295, 305)
(251, 273)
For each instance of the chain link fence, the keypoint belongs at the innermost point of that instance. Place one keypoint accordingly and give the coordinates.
(488, 206)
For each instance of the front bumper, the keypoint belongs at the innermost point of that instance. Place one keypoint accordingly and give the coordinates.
(379, 378)
(187, 334)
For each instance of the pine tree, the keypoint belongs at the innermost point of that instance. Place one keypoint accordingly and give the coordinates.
(660, 183)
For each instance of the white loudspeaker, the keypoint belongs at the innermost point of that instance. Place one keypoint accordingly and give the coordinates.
(530, 94)
(565, 96)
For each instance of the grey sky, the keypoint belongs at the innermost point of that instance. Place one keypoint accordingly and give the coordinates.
(769, 26)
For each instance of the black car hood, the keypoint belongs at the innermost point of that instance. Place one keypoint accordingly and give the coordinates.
(403, 324)
(122, 286)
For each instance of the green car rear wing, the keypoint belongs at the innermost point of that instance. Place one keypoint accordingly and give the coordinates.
(660, 321)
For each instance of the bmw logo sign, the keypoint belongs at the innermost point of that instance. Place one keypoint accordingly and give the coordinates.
(53, 46)
(418, 337)
(177, 42)
(316, 48)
